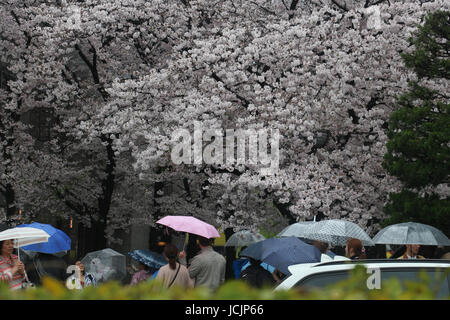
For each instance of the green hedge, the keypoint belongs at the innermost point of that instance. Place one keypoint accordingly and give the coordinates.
(354, 289)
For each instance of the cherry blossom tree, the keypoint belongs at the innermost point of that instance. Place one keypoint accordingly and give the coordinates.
(121, 77)
(25, 167)
(327, 81)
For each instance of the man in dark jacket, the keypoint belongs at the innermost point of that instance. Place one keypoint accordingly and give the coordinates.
(257, 276)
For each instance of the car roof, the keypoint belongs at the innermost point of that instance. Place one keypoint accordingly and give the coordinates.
(345, 264)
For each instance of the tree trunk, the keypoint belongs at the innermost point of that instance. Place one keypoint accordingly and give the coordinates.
(230, 256)
(10, 199)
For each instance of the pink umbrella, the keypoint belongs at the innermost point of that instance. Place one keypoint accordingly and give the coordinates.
(191, 225)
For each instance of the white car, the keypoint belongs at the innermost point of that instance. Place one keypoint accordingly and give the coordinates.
(330, 271)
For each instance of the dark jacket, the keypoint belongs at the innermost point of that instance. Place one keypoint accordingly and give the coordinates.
(257, 276)
(46, 265)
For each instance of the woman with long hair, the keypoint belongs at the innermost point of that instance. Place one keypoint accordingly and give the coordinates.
(174, 273)
(354, 249)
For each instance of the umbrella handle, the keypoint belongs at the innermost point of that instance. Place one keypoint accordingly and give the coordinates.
(18, 249)
(185, 241)
(18, 258)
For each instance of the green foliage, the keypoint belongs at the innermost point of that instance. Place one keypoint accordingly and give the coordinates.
(418, 147)
(352, 289)
(409, 206)
(418, 150)
(430, 59)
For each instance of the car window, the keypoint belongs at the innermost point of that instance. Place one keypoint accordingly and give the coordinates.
(321, 280)
(438, 278)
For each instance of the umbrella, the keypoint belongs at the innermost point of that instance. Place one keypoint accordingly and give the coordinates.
(149, 258)
(288, 246)
(243, 238)
(24, 236)
(58, 241)
(190, 225)
(105, 265)
(296, 254)
(337, 232)
(411, 233)
(299, 229)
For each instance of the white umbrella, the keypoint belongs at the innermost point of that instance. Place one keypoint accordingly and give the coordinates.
(299, 229)
(337, 232)
(105, 265)
(244, 238)
(24, 236)
(411, 233)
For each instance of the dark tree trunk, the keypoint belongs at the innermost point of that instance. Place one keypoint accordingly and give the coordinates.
(10, 199)
(230, 256)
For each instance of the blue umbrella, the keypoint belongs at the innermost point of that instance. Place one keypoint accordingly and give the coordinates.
(288, 256)
(282, 252)
(149, 258)
(58, 241)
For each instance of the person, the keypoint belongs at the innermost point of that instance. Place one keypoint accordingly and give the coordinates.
(142, 275)
(412, 252)
(256, 276)
(238, 264)
(82, 279)
(354, 249)
(398, 252)
(12, 270)
(446, 256)
(322, 246)
(278, 276)
(174, 273)
(207, 268)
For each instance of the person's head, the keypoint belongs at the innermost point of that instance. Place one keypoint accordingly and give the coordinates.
(7, 247)
(171, 254)
(322, 246)
(142, 266)
(204, 242)
(80, 265)
(354, 248)
(446, 256)
(412, 249)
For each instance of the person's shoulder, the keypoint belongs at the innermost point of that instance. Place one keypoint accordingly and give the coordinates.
(164, 268)
(217, 254)
(183, 268)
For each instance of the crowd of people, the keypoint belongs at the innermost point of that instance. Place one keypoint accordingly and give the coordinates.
(207, 268)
